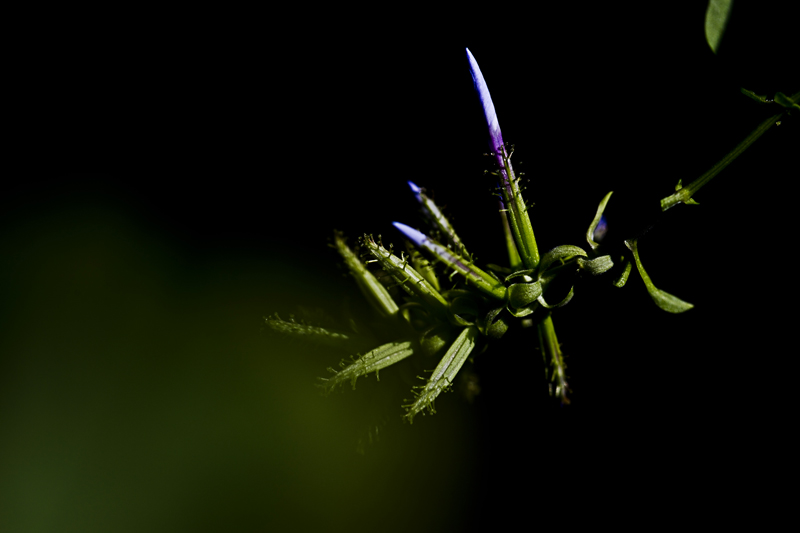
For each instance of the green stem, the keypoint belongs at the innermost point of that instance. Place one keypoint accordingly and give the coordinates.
(684, 194)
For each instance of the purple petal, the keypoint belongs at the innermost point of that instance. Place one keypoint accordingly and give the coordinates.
(416, 190)
(411, 234)
(495, 136)
(474, 275)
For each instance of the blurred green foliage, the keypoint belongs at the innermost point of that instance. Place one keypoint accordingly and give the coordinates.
(138, 394)
(716, 20)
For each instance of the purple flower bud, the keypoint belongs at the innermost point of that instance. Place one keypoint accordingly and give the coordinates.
(463, 266)
(512, 202)
(495, 136)
(416, 190)
(417, 237)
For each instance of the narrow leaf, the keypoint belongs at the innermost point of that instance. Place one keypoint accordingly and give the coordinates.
(476, 277)
(438, 220)
(622, 279)
(717, 16)
(664, 300)
(372, 361)
(596, 266)
(596, 221)
(551, 349)
(423, 266)
(559, 253)
(518, 218)
(372, 289)
(494, 324)
(562, 303)
(306, 332)
(444, 374)
(409, 279)
(522, 294)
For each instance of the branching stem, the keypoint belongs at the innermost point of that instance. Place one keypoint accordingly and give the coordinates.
(684, 194)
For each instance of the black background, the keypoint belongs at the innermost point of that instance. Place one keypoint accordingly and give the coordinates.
(176, 176)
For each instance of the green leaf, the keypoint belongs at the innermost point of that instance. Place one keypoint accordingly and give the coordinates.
(406, 276)
(494, 325)
(757, 97)
(438, 220)
(562, 303)
(306, 332)
(483, 281)
(596, 221)
(559, 253)
(523, 311)
(789, 102)
(423, 266)
(622, 279)
(444, 374)
(596, 266)
(434, 339)
(522, 294)
(717, 16)
(372, 289)
(551, 349)
(513, 255)
(372, 361)
(517, 213)
(664, 300)
(526, 275)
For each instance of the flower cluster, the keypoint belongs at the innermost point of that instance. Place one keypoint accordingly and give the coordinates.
(447, 316)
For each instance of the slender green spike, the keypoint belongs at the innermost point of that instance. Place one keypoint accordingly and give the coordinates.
(372, 289)
(476, 277)
(513, 255)
(407, 277)
(513, 202)
(423, 266)
(306, 332)
(444, 374)
(757, 97)
(664, 300)
(438, 220)
(372, 361)
(551, 352)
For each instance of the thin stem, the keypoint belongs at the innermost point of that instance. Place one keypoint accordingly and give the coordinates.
(684, 194)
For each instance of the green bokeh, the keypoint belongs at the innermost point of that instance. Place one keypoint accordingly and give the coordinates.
(138, 393)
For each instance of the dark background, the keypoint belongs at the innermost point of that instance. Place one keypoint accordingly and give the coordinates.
(174, 177)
